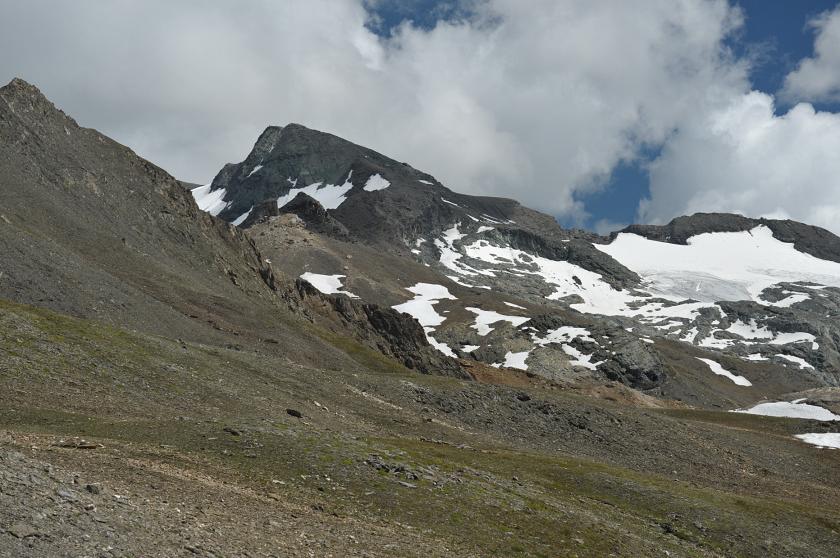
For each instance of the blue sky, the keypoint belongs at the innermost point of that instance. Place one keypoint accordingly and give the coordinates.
(775, 36)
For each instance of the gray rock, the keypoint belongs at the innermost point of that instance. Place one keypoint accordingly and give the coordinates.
(23, 530)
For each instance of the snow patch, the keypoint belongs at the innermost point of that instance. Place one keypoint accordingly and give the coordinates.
(721, 371)
(755, 357)
(450, 257)
(329, 195)
(442, 347)
(327, 284)
(797, 360)
(484, 318)
(787, 302)
(795, 409)
(256, 169)
(563, 334)
(580, 359)
(830, 440)
(514, 360)
(375, 183)
(422, 308)
(211, 202)
(795, 337)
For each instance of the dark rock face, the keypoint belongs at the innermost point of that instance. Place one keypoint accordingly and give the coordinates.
(260, 213)
(806, 238)
(624, 358)
(314, 215)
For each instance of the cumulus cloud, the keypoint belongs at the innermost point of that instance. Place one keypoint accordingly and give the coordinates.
(606, 226)
(746, 159)
(818, 78)
(536, 100)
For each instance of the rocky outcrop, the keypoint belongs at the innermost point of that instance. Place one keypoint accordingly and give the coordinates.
(575, 251)
(392, 333)
(315, 216)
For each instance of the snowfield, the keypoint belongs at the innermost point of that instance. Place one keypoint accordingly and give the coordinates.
(720, 266)
(679, 282)
(327, 284)
(829, 440)
(791, 409)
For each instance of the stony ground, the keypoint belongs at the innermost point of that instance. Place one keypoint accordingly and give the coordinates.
(122, 444)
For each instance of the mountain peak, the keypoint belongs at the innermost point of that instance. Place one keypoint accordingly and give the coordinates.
(20, 85)
(19, 90)
(30, 105)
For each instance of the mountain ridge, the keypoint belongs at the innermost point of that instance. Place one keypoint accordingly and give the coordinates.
(515, 258)
(810, 239)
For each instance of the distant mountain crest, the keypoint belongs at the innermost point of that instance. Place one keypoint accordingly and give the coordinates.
(812, 240)
(375, 197)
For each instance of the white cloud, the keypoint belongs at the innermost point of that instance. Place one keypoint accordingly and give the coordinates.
(746, 159)
(818, 78)
(606, 226)
(534, 100)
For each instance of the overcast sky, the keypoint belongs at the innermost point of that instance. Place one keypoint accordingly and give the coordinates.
(546, 101)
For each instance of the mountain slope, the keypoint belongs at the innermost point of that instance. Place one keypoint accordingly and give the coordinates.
(90, 229)
(519, 291)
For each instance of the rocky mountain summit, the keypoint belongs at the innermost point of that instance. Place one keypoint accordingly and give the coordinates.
(511, 288)
(356, 361)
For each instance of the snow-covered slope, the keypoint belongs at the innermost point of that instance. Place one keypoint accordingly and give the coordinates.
(721, 266)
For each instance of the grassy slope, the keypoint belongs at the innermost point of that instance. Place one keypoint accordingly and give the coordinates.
(479, 492)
